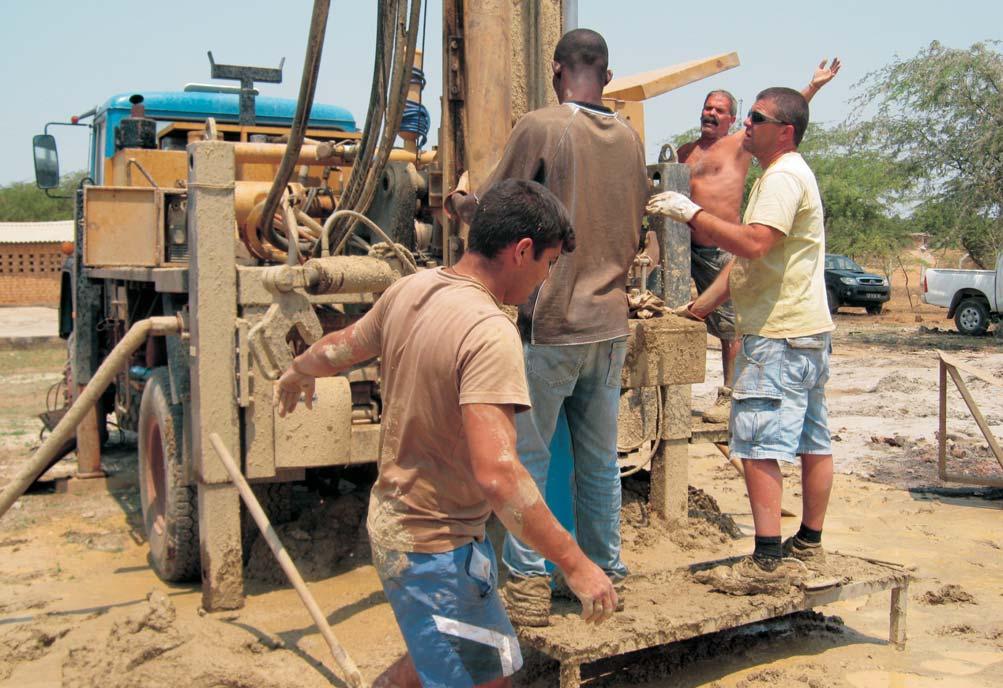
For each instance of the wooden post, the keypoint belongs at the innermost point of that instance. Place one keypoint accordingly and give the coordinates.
(897, 620)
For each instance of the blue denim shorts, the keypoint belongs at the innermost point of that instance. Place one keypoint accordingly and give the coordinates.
(778, 408)
(449, 612)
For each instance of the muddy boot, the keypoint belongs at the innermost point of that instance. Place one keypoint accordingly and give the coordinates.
(721, 410)
(810, 553)
(527, 600)
(563, 592)
(755, 576)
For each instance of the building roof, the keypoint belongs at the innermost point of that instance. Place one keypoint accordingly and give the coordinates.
(36, 232)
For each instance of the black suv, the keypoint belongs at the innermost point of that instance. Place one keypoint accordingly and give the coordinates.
(846, 284)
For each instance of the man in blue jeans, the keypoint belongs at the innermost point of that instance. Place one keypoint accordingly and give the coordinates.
(777, 285)
(574, 327)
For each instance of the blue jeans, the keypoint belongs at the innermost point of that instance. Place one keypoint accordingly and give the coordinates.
(778, 408)
(449, 612)
(585, 378)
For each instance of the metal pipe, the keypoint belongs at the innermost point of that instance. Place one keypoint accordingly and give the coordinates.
(272, 153)
(352, 672)
(348, 274)
(64, 430)
(569, 10)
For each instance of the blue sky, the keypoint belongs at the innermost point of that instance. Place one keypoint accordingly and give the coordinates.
(61, 58)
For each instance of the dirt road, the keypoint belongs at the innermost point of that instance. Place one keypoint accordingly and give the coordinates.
(79, 605)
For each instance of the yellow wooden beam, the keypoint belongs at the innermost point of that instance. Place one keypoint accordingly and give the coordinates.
(656, 82)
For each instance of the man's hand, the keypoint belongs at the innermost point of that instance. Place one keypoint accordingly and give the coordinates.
(594, 590)
(673, 205)
(290, 387)
(823, 74)
(686, 312)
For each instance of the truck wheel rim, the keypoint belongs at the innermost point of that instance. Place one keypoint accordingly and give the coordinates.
(970, 318)
(155, 477)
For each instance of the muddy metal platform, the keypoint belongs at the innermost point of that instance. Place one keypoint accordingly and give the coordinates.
(671, 606)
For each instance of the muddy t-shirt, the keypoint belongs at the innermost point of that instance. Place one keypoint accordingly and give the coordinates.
(594, 163)
(444, 342)
(782, 294)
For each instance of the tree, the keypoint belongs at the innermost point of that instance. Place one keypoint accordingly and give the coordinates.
(940, 115)
(859, 191)
(25, 202)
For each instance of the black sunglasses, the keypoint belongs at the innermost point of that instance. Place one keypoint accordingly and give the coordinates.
(757, 117)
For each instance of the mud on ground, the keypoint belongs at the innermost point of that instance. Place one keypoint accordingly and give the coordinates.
(79, 605)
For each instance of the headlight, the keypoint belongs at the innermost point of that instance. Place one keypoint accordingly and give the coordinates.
(884, 282)
(848, 280)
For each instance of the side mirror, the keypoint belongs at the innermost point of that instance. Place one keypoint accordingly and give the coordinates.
(46, 161)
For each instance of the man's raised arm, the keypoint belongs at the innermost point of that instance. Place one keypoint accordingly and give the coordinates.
(821, 77)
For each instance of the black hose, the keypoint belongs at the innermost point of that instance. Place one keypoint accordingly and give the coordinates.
(308, 84)
(393, 87)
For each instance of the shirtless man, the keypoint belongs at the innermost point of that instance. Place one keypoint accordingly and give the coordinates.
(718, 167)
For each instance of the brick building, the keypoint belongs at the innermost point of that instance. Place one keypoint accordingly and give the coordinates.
(31, 260)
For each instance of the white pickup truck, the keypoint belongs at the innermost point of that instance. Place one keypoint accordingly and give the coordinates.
(971, 297)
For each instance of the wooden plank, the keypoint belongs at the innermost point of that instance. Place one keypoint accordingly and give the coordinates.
(674, 600)
(646, 85)
(977, 415)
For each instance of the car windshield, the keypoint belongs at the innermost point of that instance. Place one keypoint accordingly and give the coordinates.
(841, 263)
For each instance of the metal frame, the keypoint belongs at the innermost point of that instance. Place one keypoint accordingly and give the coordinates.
(950, 366)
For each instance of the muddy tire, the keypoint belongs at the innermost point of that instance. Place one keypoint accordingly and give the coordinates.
(276, 499)
(972, 317)
(874, 308)
(170, 508)
(832, 299)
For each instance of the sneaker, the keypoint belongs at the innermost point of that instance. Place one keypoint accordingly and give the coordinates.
(807, 552)
(563, 591)
(755, 576)
(527, 600)
(720, 412)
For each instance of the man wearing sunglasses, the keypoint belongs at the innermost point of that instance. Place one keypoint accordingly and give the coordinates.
(718, 167)
(777, 283)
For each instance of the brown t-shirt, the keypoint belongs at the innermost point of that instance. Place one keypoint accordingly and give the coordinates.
(444, 342)
(594, 162)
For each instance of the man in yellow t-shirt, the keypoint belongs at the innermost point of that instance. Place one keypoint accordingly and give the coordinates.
(777, 285)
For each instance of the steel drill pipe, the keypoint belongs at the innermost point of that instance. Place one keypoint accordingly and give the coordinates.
(344, 661)
(110, 367)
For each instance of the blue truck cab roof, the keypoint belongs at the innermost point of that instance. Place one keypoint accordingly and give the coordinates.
(197, 106)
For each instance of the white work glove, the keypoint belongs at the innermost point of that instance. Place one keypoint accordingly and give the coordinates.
(673, 205)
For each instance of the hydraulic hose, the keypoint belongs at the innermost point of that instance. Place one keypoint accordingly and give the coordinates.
(308, 84)
(384, 118)
(110, 367)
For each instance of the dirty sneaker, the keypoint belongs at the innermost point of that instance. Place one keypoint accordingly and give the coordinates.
(527, 600)
(562, 590)
(811, 553)
(720, 412)
(755, 576)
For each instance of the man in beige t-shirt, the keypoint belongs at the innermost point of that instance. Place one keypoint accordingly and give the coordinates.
(453, 381)
(777, 285)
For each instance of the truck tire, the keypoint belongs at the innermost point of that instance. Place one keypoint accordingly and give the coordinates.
(832, 299)
(874, 308)
(170, 508)
(972, 317)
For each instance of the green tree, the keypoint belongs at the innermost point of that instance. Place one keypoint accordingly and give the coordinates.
(940, 116)
(25, 202)
(859, 191)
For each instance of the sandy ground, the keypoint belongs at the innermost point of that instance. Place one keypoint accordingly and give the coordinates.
(29, 321)
(79, 605)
